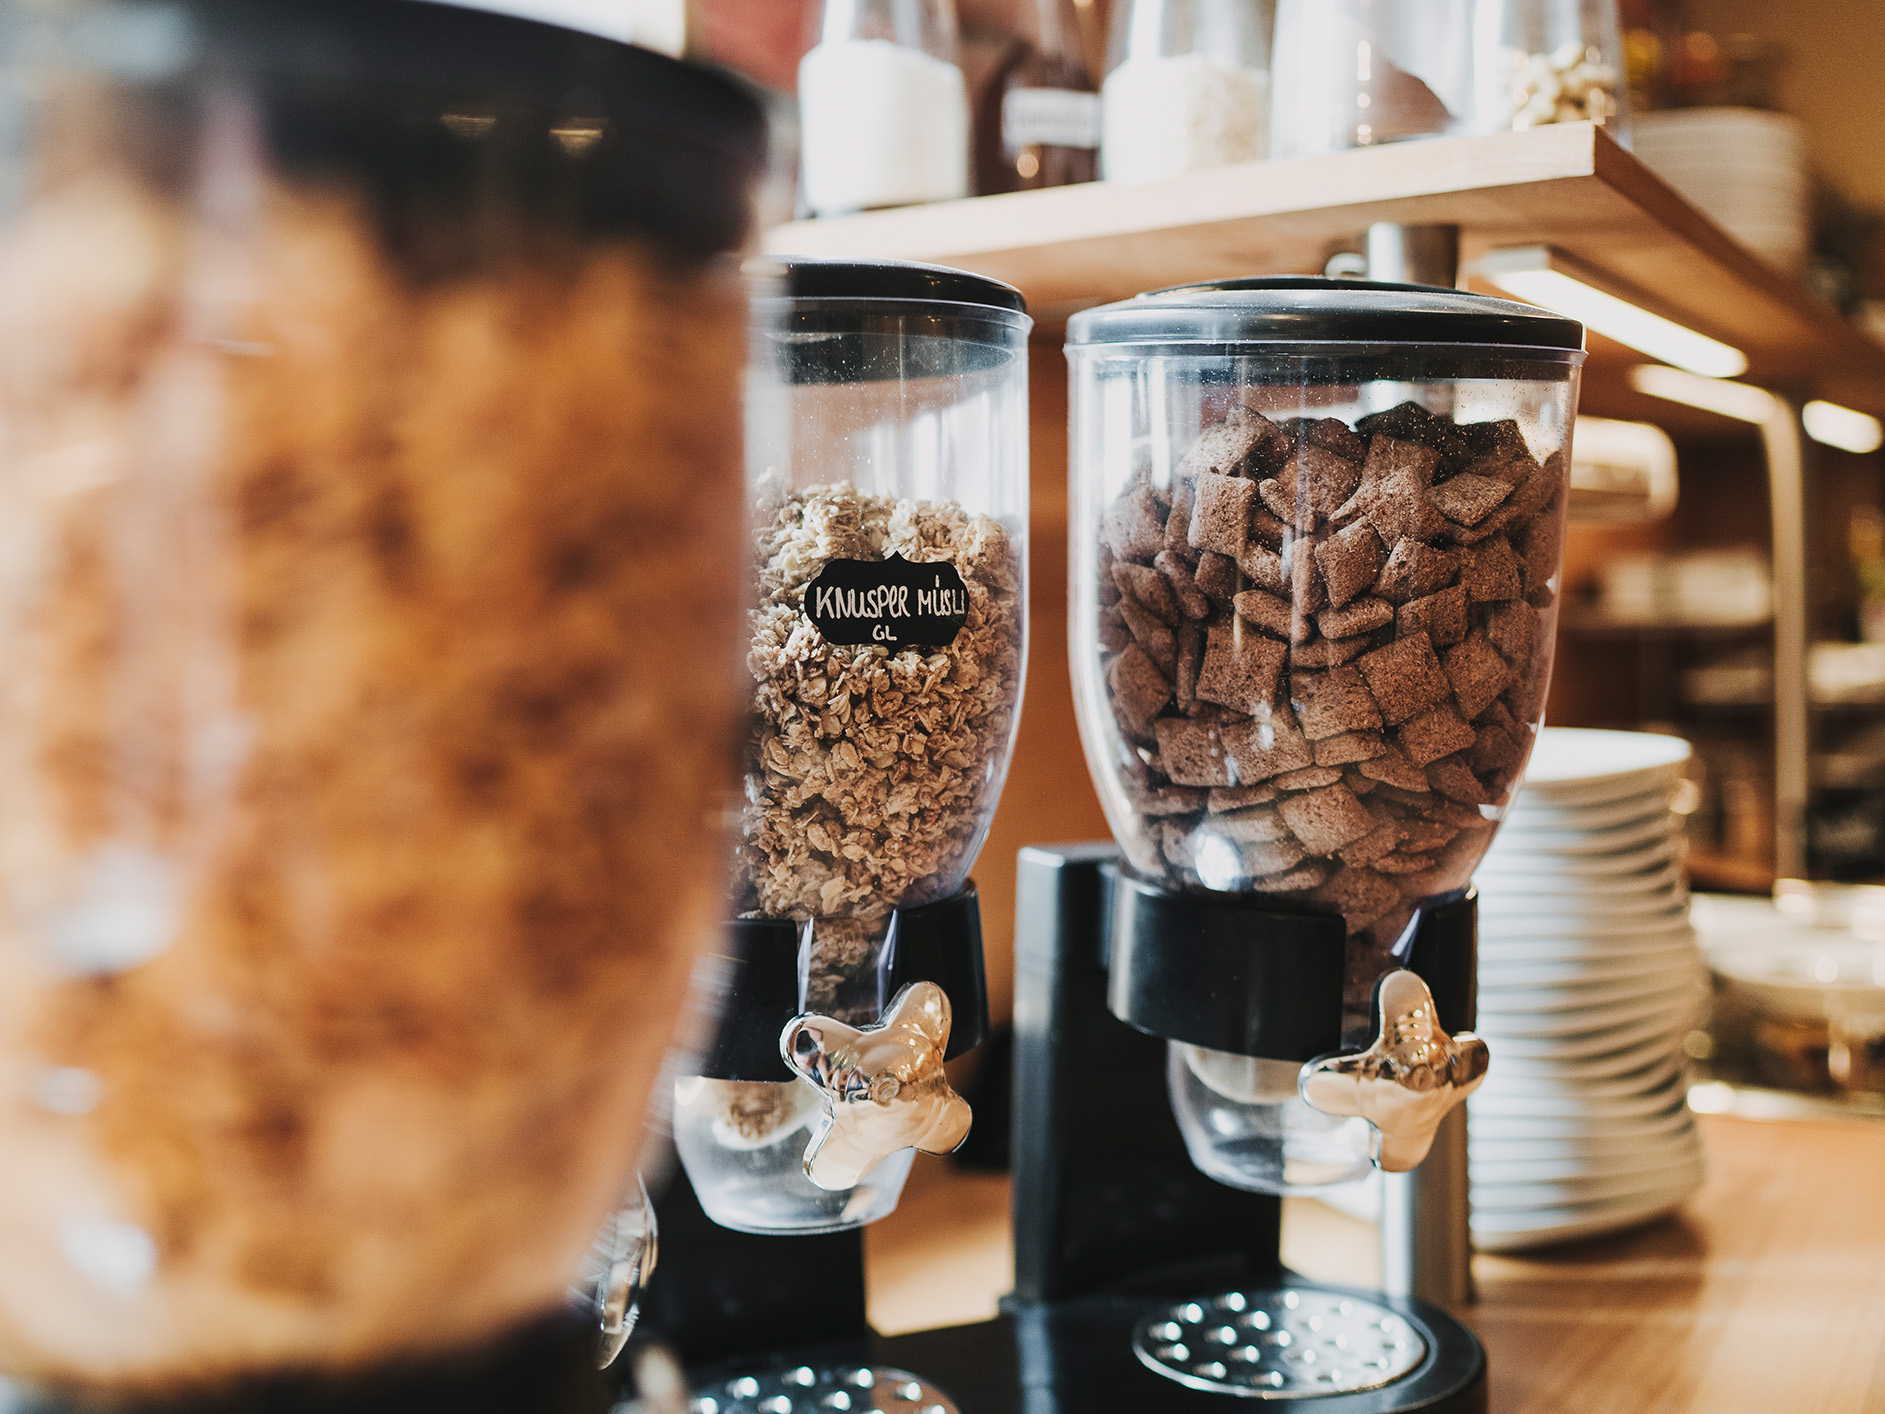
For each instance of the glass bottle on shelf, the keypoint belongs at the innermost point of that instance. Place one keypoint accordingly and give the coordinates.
(883, 111)
(1187, 87)
(1538, 62)
(1038, 121)
(1358, 73)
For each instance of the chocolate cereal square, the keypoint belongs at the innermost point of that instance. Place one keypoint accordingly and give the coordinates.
(1216, 576)
(1227, 798)
(1149, 589)
(1134, 525)
(1496, 753)
(1152, 634)
(1265, 746)
(1328, 704)
(1350, 560)
(1223, 447)
(1454, 779)
(1415, 570)
(1491, 572)
(1349, 747)
(1325, 820)
(1268, 529)
(1362, 616)
(1241, 667)
(1220, 513)
(1513, 629)
(1266, 611)
(1328, 653)
(1140, 691)
(1308, 778)
(1479, 674)
(1405, 677)
(1392, 768)
(1442, 616)
(1468, 499)
(1192, 753)
(1434, 734)
(1312, 484)
(1190, 659)
(1178, 518)
(1184, 584)
(1371, 847)
(1359, 894)
(1263, 567)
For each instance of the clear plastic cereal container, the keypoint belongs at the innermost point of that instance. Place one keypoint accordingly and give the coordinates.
(1316, 537)
(888, 643)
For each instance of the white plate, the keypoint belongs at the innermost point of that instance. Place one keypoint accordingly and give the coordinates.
(1671, 917)
(1578, 766)
(1632, 835)
(1545, 1082)
(1574, 1224)
(1658, 1030)
(1530, 814)
(1581, 969)
(1501, 1198)
(1544, 888)
(1557, 1169)
(1578, 1129)
(1595, 1153)
(1601, 1065)
(1509, 1007)
(1496, 1106)
(1577, 869)
(1591, 945)
(1543, 1227)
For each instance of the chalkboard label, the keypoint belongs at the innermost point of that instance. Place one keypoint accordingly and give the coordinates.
(892, 603)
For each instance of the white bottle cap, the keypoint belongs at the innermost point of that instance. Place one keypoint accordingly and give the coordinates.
(660, 25)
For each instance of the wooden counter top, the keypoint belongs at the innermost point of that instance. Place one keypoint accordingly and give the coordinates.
(1766, 1293)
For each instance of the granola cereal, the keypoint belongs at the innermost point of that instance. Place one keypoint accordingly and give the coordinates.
(362, 754)
(1342, 701)
(872, 773)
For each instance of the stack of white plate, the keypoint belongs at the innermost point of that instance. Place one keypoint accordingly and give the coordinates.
(1589, 980)
(1747, 170)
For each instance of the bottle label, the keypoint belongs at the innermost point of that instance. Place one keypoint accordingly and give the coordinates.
(1050, 117)
(893, 603)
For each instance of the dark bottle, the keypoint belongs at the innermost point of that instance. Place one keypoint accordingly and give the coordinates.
(1037, 118)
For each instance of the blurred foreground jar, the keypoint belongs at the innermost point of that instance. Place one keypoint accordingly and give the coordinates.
(371, 397)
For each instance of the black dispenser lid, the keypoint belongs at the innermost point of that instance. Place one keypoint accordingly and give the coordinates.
(1305, 309)
(814, 277)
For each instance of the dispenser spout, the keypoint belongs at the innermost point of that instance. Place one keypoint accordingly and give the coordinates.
(1408, 1081)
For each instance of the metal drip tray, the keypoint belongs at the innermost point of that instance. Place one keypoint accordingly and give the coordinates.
(1279, 1343)
(821, 1389)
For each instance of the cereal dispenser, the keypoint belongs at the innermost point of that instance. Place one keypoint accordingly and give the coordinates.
(888, 636)
(371, 391)
(1316, 537)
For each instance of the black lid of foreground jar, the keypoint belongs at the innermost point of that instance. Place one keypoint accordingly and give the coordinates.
(811, 277)
(1304, 309)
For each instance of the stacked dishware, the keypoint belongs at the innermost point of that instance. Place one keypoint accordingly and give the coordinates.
(1747, 170)
(1590, 978)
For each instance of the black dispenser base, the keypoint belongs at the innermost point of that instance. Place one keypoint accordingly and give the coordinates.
(1113, 1222)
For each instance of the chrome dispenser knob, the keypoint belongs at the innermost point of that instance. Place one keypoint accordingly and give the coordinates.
(883, 1086)
(1407, 1081)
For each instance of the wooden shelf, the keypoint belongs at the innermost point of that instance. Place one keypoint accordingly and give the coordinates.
(1568, 186)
